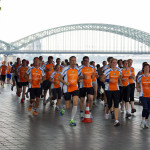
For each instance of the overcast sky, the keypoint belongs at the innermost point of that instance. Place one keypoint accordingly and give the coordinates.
(20, 18)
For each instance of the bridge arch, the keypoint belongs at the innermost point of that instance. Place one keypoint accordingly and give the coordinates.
(131, 33)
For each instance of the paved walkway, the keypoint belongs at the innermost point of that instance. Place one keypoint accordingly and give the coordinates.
(20, 130)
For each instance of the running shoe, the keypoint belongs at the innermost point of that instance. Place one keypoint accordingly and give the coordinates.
(72, 123)
(51, 102)
(19, 94)
(22, 100)
(117, 123)
(62, 112)
(12, 87)
(128, 115)
(106, 116)
(133, 110)
(34, 112)
(122, 108)
(146, 125)
(30, 108)
(142, 124)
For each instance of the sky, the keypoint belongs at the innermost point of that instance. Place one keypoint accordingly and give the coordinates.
(20, 18)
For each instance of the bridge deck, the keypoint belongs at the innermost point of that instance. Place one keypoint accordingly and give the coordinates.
(20, 130)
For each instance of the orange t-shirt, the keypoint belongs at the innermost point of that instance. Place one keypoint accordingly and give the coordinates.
(8, 69)
(88, 71)
(3, 69)
(51, 67)
(132, 74)
(35, 74)
(21, 71)
(15, 67)
(70, 75)
(145, 85)
(56, 83)
(125, 75)
(113, 75)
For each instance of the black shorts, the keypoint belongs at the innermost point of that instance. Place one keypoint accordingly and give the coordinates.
(46, 84)
(132, 89)
(3, 77)
(35, 92)
(112, 96)
(16, 80)
(68, 95)
(84, 91)
(124, 93)
(56, 92)
(21, 84)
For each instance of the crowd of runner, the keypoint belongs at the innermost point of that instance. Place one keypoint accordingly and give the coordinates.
(114, 83)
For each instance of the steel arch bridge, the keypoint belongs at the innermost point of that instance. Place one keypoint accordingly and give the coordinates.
(134, 34)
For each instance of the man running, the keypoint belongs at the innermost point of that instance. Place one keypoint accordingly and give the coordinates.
(48, 68)
(86, 88)
(111, 77)
(132, 85)
(8, 73)
(22, 82)
(125, 89)
(35, 76)
(143, 86)
(70, 88)
(14, 71)
(55, 86)
(3, 73)
(94, 82)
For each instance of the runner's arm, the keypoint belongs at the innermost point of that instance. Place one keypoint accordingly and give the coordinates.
(60, 78)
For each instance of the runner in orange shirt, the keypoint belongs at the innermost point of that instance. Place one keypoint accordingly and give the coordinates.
(86, 88)
(132, 85)
(48, 68)
(111, 77)
(3, 72)
(58, 62)
(125, 88)
(22, 82)
(40, 65)
(70, 88)
(140, 73)
(35, 76)
(14, 71)
(55, 86)
(94, 82)
(143, 86)
(8, 73)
